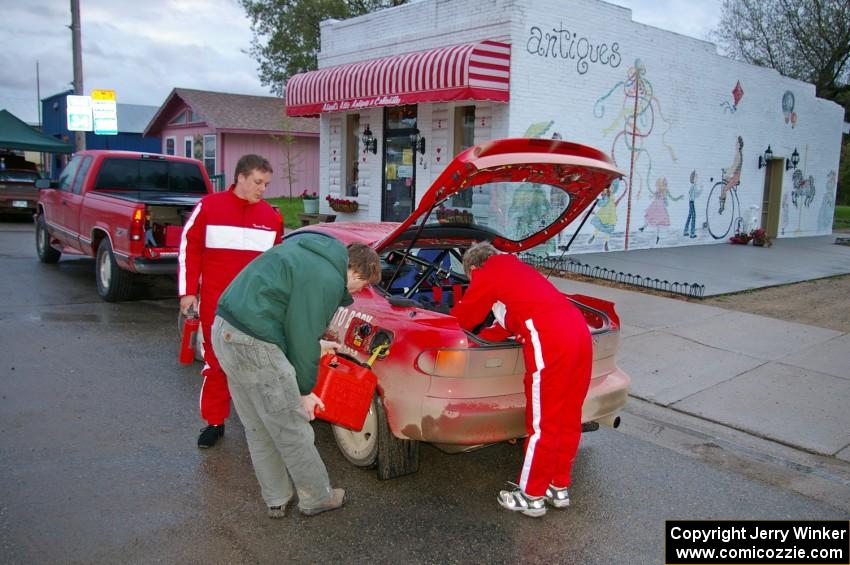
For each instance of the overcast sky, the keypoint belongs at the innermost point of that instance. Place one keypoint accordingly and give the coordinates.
(143, 49)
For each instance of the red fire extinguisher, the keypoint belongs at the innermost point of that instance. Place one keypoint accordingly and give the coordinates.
(186, 354)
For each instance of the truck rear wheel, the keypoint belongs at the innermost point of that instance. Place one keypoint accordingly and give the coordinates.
(46, 253)
(113, 283)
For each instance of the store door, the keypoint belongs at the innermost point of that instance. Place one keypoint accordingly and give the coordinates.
(399, 179)
(771, 196)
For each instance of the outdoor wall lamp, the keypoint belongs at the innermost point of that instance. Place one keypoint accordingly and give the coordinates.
(417, 142)
(369, 141)
(768, 155)
(793, 161)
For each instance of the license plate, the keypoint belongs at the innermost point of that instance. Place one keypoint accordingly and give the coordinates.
(19, 203)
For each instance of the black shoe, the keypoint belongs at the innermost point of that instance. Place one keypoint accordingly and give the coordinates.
(209, 436)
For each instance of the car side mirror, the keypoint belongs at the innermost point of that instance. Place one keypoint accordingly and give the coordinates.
(45, 183)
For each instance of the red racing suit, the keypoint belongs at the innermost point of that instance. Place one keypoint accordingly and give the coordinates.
(558, 354)
(223, 234)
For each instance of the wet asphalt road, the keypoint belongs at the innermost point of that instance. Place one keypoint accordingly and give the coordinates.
(98, 462)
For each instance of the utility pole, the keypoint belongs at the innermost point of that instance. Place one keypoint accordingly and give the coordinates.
(76, 46)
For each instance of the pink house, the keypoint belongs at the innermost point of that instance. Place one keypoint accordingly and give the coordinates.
(218, 128)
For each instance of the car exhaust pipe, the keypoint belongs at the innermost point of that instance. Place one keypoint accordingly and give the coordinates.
(611, 421)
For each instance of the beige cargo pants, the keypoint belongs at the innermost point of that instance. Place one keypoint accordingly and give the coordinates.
(266, 396)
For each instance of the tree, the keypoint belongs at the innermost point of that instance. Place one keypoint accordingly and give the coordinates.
(804, 39)
(286, 33)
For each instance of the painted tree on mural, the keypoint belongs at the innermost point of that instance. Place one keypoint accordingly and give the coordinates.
(804, 39)
(286, 33)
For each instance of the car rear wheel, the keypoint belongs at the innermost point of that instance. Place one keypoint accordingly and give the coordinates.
(360, 448)
(396, 457)
(376, 446)
(114, 284)
(46, 253)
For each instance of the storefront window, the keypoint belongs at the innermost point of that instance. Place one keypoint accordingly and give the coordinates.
(401, 117)
(352, 154)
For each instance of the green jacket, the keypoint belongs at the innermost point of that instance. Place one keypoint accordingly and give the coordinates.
(288, 295)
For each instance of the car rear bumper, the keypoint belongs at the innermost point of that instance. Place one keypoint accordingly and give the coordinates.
(17, 205)
(475, 421)
(166, 266)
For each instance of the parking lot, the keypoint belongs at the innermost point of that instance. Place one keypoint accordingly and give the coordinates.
(99, 461)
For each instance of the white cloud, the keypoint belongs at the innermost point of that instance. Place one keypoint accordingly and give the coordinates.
(694, 18)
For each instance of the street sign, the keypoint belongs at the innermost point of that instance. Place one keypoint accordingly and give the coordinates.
(79, 113)
(104, 112)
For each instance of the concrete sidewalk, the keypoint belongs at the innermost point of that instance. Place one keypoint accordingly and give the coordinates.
(725, 268)
(783, 381)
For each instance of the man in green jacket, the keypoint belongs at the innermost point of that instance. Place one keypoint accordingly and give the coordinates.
(267, 335)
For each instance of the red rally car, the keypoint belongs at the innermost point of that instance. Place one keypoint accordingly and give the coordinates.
(439, 383)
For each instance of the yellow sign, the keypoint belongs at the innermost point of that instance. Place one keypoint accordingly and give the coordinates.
(103, 95)
(407, 156)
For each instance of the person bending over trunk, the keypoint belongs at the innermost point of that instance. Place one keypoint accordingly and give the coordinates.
(558, 354)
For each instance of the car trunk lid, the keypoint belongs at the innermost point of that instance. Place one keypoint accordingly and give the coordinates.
(518, 193)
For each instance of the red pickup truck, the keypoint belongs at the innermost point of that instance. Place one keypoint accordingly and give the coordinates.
(125, 209)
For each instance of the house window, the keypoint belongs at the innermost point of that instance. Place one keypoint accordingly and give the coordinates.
(194, 117)
(187, 146)
(352, 154)
(178, 119)
(464, 138)
(170, 143)
(209, 154)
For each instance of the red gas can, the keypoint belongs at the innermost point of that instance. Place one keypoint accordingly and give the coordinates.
(187, 341)
(346, 388)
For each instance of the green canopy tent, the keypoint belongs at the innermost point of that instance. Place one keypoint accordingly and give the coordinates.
(15, 134)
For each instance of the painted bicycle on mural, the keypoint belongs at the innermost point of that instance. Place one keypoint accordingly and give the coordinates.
(721, 212)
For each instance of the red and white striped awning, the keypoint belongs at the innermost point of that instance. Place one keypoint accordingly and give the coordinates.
(472, 71)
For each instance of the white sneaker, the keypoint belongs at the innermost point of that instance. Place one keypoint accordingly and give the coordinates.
(558, 497)
(517, 501)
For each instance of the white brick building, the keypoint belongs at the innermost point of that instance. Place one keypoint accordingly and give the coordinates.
(670, 111)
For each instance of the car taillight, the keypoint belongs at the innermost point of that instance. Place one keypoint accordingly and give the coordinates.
(445, 362)
(490, 361)
(137, 226)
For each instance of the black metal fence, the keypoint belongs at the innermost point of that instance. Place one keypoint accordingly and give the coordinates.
(570, 265)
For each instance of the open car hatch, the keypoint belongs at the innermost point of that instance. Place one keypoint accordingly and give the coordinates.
(518, 193)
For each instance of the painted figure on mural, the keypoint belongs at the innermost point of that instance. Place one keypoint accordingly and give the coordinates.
(827, 205)
(804, 189)
(605, 219)
(785, 218)
(693, 193)
(639, 117)
(733, 173)
(529, 210)
(656, 213)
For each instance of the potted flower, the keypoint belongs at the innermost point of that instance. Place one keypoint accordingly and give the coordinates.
(311, 202)
(342, 204)
(760, 238)
(740, 238)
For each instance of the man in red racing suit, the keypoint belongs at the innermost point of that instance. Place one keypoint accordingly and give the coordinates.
(224, 233)
(558, 355)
